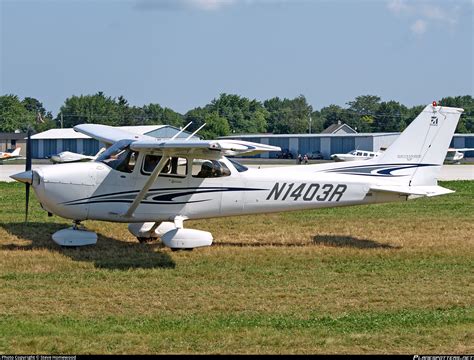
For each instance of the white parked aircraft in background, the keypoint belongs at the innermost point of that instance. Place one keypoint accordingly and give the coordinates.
(68, 157)
(15, 154)
(456, 155)
(155, 185)
(356, 155)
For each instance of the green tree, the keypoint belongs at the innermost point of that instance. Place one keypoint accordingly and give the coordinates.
(390, 117)
(14, 116)
(96, 108)
(288, 116)
(363, 110)
(242, 114)
(466, 122)
(215, 125)
(333, 114)
(317, 122)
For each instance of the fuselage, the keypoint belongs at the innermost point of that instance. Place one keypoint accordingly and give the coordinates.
(94, 190)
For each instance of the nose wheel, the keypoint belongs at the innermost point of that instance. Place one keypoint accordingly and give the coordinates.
(77, 235)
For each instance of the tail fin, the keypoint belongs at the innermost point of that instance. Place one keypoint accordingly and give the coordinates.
(16, 152)
(423, 145)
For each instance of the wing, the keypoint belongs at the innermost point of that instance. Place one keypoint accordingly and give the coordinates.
(205, 148)
(109, 134)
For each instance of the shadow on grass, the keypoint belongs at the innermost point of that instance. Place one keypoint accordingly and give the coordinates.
(258, 244)
(108, 253)
(350, 242)
(328, 240)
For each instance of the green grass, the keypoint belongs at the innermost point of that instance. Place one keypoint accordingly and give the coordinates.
(391, 278)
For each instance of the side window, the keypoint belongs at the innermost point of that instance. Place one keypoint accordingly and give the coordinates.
(150, 163)
(209, 168)
(359, 153)
(372, 155)
(174, 166)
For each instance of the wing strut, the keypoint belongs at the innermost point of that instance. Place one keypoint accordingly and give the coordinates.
(180, 131)
(148, 184)
(194, 133)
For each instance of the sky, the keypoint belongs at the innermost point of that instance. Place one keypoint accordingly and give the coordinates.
(184, 53)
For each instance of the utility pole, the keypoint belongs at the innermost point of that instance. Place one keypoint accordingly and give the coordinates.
(62, 123)
(310, 120)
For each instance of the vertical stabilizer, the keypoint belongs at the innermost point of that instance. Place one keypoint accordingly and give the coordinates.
(423, 144)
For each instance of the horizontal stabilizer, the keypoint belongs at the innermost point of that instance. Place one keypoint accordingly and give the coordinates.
(413, 190)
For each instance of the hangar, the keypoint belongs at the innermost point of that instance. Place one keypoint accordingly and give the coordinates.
(327, 144)
(54, 141)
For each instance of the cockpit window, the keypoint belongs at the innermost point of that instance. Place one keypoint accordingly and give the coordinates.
(119, 156)
(209, 168)
(238, 166)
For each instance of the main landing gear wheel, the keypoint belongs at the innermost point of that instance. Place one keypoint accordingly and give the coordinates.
(145, 240)
(181, 249)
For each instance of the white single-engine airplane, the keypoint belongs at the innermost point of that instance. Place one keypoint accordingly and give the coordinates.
(155, 184)
(454, 156)
(355, 155)
(15, 154)
(69, 157)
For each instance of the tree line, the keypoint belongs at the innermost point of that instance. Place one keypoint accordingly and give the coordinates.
(229, 114)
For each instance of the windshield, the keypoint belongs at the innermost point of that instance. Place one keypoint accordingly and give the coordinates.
(119, 155)
(238, 166)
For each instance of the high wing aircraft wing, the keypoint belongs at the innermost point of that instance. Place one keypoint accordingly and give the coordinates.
(207, 148)
(109, 134)
(204, 148)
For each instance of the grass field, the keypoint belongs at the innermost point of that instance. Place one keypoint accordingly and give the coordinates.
(392, 278)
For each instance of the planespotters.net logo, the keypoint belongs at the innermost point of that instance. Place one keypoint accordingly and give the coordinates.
(443, 357)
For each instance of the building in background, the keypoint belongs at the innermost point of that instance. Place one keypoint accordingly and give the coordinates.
(54, 141)
(328, 144)
(461, 141)
(9, 142)
(339, 129)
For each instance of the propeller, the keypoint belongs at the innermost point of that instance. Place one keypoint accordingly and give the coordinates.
(27, 168)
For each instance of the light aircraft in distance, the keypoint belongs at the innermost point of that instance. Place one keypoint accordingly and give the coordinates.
(155, 185)
(15, 154)
(355, 155)
(69, 156)
(454, 156)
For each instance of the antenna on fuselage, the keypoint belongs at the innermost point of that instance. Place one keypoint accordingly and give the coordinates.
(194, 133)
(180, 131)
